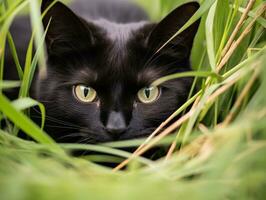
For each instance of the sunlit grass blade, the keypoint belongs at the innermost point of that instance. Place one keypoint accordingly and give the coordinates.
(9, 84)
(210, 37)
(186, 74)
(25, 103)
(15, 56)
(23, 122)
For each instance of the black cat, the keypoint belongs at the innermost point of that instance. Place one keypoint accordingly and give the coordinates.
(101, 62)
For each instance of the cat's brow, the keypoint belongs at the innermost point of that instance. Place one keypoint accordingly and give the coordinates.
(86, 75)
(148, 75)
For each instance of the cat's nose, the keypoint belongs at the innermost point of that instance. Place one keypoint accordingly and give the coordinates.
(116, 124)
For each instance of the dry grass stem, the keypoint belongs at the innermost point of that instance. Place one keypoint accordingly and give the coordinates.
(243, 94)
(203, 128)
(166, 132)
(238, 26)
(236, 43)
(195, 147)
(154, 133)
(171, 149)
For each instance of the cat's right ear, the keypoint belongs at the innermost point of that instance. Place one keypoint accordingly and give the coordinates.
(180, 45)
(66, 31)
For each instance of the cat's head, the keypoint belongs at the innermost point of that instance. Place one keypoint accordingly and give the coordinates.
(97, 87)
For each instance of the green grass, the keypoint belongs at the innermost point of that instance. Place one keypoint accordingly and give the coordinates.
(222, 137)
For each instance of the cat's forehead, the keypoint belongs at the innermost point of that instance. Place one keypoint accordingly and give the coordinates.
(118, 54)
(119, 31)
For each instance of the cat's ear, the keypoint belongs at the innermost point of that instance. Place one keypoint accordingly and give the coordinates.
(181, 45)
(66, 31)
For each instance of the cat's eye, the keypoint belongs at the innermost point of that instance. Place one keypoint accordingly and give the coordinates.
(84, 93)
(148, 94)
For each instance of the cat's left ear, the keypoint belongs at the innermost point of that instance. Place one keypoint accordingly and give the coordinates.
(66, 31)
(164, 30)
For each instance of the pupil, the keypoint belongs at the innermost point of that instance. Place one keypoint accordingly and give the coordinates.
(147, 92)
(86, 92)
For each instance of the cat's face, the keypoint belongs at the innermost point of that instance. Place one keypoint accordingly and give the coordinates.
(97, 87)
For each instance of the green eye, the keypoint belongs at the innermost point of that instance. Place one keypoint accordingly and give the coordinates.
(148, 94)
(84, 93)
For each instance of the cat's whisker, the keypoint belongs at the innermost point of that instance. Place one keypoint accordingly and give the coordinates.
(86, 140)
(63, 124)
(71, 135)
(45, 101)
(58, 126)
(52, 119)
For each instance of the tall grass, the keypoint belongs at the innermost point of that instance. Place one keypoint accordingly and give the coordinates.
(216, 150)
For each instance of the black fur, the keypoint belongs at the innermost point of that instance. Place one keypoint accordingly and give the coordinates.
(116, 54)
